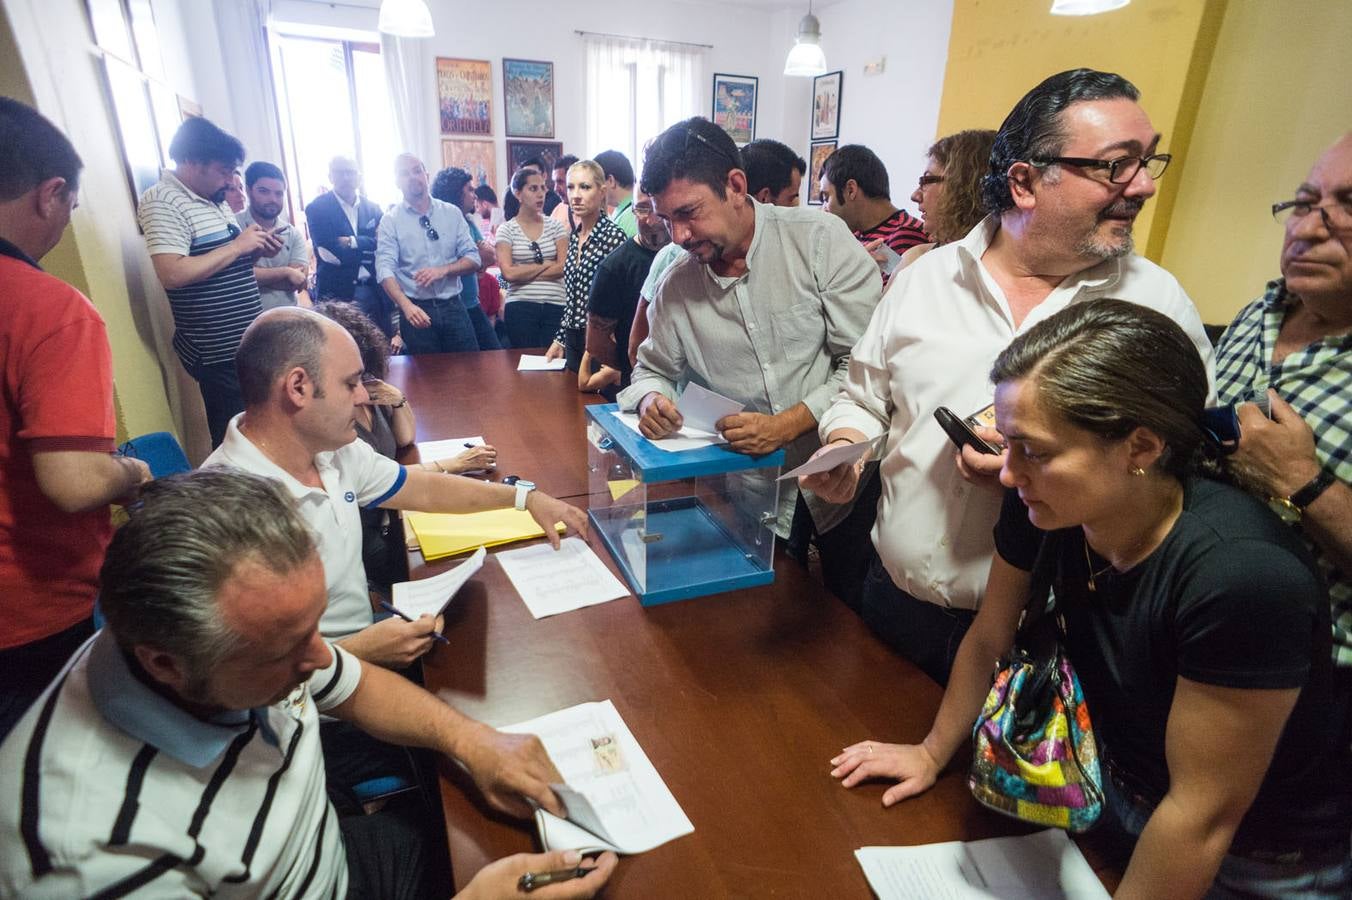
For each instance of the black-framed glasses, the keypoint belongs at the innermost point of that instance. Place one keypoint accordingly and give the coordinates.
(426, 223)
(926, 180)
(692, 134)
(1120, 170)
(1337, 215)
(539, 255)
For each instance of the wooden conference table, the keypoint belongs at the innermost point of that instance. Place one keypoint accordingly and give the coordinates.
(739, 699)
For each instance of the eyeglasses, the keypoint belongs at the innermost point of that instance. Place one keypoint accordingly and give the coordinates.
(1120, 170)
(692, 134)
(535, 248)
(426, 223)
(643, 209)
(927, 180)
(1337, 215)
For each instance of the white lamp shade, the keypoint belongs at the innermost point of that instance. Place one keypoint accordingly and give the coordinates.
(805, 59)
(1085, 7)
(406, 18)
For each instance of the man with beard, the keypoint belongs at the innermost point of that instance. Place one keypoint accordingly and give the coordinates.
(1072, 166)
(279, 277)
(205, 261)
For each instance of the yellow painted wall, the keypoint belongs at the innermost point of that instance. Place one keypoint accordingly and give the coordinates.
(999, 49)
(1279, 92)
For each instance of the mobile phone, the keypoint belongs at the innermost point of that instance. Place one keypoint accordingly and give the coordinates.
(961, 434)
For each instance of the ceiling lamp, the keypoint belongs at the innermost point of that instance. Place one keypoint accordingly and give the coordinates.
(806, 57)
(1085, 7)
(406, 18)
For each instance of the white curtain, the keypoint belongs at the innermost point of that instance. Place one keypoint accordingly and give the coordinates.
(408, 75)
(243, 27)
(638, 88)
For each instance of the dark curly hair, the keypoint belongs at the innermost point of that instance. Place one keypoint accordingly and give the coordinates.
(372, 344)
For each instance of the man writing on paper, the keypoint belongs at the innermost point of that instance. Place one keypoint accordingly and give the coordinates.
(763, 310)
(206, 686)
(301, 376)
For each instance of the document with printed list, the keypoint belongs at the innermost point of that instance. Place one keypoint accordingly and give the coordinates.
(615, 798)
(1041, 866)
(555, 581)
(429, 596)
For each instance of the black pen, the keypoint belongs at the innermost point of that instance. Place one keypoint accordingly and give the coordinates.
(389, 607)
(532, 880)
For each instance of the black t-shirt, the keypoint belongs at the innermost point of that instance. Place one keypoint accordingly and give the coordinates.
(615, 290)
(1230, 598)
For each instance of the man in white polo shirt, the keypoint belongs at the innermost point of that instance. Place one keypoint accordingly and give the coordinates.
(177, 754)
(1072, 166)
(300, 375)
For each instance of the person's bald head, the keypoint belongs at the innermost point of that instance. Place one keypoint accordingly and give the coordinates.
(280, 341)
(345, 177)
(411, 177)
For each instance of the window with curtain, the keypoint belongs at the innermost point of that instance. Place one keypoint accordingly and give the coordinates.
(636, 89)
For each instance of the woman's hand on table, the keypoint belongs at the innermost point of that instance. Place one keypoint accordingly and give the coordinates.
(383, 394)
(911, 765)
(471, 460)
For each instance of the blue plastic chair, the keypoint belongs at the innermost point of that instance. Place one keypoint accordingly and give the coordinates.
(160, 450)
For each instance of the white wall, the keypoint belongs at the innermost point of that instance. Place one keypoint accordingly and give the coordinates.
(895, 113)
(742, 39)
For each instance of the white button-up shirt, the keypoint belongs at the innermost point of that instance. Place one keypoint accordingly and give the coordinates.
(353, 476)
(932, 342)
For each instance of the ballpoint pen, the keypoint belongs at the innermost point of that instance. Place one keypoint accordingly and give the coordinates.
(389, 608)
(532, 880)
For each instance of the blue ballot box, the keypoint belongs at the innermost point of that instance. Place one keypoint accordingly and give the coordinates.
(680, 524)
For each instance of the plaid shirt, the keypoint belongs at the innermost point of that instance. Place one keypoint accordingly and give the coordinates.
(1317, 382)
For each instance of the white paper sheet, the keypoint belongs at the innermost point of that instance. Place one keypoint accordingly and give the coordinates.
(615, 798)
(1042, 866)
(432, 595)
(839, 455)
(686, 439)
(533, 363)
(701, 408)
(556, 581)
(448, 448)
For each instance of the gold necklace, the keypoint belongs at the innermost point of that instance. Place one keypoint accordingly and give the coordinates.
(1140, 542)
(1089, 567)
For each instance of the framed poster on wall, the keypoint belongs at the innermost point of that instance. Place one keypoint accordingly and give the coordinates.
(520, 151)
(826, 106)
(734, 106)
(135, 125)
(816, 159)
(478, 158)
(465, 96)
(528, 98)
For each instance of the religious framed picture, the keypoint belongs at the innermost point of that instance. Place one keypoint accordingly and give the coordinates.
(816, 158)
(465, 96)
(826, 106)
(734, 106)
(478, 158)
(520, 151)
(528, 98)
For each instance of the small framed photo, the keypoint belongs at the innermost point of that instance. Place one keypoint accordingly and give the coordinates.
(816, 159)
(520, 151)
(734, 106)
(528, 98)
(478, 158)
(826, 106)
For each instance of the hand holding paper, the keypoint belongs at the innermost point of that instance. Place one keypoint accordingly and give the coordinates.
(535, 363)
(431, 596)
(838, 484)
(513, 771)
(702, 408)
(827, 458)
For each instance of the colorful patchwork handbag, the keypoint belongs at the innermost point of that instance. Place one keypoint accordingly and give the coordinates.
(1034, 754)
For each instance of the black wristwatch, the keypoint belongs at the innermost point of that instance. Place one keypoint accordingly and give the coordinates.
(1294, 506)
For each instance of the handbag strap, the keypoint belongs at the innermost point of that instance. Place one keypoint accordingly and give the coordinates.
(1039, 594)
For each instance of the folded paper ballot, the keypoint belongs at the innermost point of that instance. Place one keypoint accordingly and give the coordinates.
(1041, 866)
(535, 363)
(615, 798)
(429, 596)
(701, 408)
(839, 455)
(446, 534)
(688, 438)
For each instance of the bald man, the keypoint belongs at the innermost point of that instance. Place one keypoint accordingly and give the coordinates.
(343, 227)
(423, 246)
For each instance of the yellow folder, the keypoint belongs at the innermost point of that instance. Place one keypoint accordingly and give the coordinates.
(446, 534)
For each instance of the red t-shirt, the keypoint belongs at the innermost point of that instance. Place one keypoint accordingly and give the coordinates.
(58, 395)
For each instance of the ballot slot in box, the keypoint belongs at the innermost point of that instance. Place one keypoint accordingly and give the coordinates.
(684, 523)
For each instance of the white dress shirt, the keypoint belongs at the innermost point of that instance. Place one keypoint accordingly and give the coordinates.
(931, 343)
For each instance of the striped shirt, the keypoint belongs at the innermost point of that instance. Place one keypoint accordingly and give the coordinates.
(1317, 382)
(114, 790)
(901, 231)
(543, 290)
(580, 269)
(209, 316)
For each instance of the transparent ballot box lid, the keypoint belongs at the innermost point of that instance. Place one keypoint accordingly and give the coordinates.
(685, 523)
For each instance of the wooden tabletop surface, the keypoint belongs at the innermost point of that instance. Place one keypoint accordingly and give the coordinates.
(739, 699)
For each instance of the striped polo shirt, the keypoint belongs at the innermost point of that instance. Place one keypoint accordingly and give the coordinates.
(113, 790)
(211, 315)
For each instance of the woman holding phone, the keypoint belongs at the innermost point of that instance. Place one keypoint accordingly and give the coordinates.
(1194, 618)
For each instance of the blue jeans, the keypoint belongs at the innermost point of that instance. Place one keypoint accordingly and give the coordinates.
(1321, 877)
(219, 384)
(372, 300)
(483, 329)
(450, 331)
(924, 633)
(531, 324)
